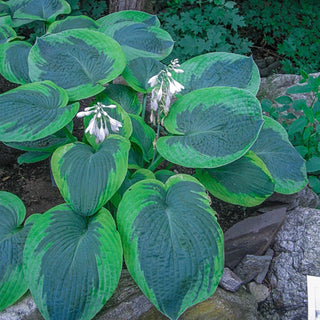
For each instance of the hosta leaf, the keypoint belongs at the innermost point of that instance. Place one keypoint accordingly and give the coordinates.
(117, 113)
(285, 164)
(33, 156)
(143, 136)
(219, 69)
(163, 175)
(46, 144)
(12, 239)
(129, 15)
(138, 72)
(14, 61)
(4, 9)
(173, 245)
(39, 9)
(139, 39)
(246, 181)
(211, 127)
(34, 111)
(6, 34)
(88, 178)
(131, 179)
(79, 60)
(135, 160)
(72, 263)
(125, 96)
(72, 22)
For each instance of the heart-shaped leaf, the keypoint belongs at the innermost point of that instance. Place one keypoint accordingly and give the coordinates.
(88, 178)
(211, 127)
(139, 39)
(12, 239)
(219, 69)
(38, 9)
(129, 15)
(72, 22)
(72, 263)
(143, 136)
(246, 181)
(173, 245)
(80, 61)
(285, 164)
(14, 61)
(125, 96)
(138, 72)
(34, 111)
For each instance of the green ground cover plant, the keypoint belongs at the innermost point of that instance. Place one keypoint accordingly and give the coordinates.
(199, 27)
(301, 120)
(117, 204)
(291, 28)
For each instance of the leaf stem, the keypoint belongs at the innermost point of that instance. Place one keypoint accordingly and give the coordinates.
(144, 102)
(69, 134)
(154, 164)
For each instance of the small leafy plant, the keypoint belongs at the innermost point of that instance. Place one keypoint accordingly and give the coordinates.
(292, 28)
(116, 201)
(199, 27)
(301, 120)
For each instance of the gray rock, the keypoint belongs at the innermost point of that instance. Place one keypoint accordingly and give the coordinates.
(297, 254)
(259, 291)
(251, 266)
(276, 85)
(261, 275)
(252, 236)
(223, 305)
(230, 281)
(129, 303)
(304, 198)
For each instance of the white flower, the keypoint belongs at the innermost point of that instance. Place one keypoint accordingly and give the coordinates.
(175, 86)
(98, 124)
(153, 80)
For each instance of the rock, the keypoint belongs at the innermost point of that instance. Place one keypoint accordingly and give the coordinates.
(261, 276)
(23, 309)
(230, 281)
(223, 305)
(297, 254)
(276, 85)
(251, 266)
(259, 291)
(304, 198)
(129, 303)
(252, 236)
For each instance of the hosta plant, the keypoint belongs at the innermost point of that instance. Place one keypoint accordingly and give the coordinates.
(117, 202)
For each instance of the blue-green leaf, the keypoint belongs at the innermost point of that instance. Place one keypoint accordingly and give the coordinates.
(34, 111)
(219, 69)
(14, 61)
(6, 34)
(80, 61)
(12, 239)
(246, 181)
(143, 136)
(125, 96)
(72, 22)
(285, 164)
(72, 263)
(173, 245)
(211, 127)
(138, 72)
(38, 9)
(138, 37)
(88, 178)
